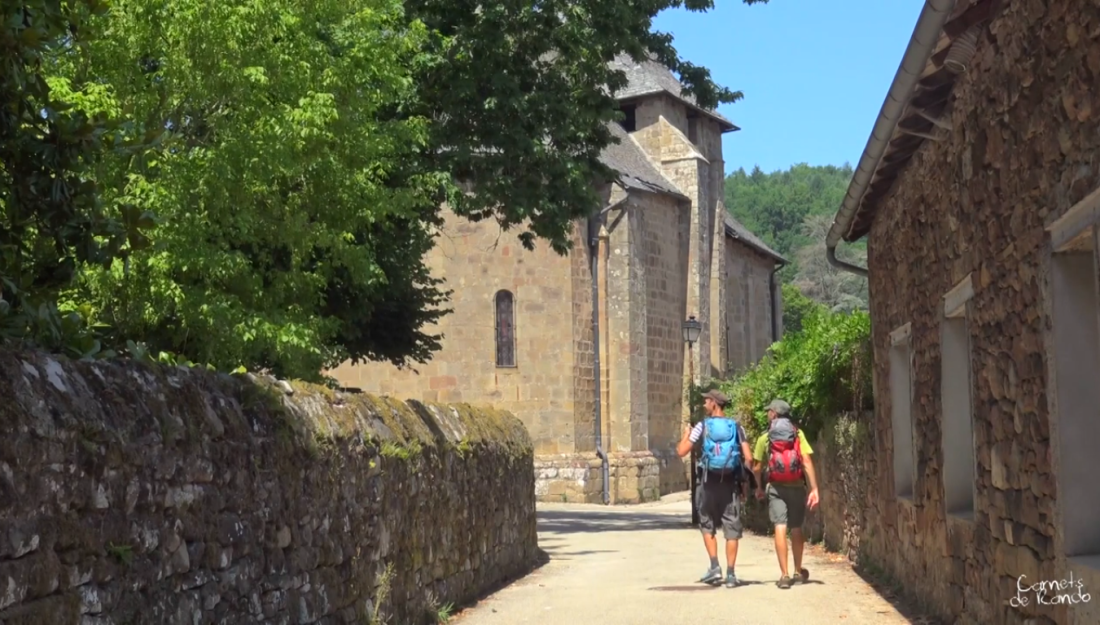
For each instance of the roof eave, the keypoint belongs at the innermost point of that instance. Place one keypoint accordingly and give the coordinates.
(724, 125)
(731, 233)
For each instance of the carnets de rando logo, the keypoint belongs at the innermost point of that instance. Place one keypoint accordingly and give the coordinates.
(1067, 591)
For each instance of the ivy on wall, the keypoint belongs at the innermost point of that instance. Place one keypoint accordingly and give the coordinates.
(821, 370)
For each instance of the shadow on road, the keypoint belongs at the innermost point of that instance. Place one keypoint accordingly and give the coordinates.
(892, 592)
(704, 587)
(575, 521)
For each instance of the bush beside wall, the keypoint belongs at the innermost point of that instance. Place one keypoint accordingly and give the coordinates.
(136, 494)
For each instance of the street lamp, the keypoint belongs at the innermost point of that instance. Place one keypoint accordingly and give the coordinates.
(691, 330)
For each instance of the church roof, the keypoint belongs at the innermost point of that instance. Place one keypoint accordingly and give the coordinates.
(634, 167)
(735, 230)
(651, 77)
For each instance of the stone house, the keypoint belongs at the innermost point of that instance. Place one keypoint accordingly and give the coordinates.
(521, 332)
(978, 192)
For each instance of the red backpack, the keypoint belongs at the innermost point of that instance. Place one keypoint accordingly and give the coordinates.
(785, 458)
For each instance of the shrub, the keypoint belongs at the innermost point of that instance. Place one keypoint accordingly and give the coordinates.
(797, 307)
(821, 370)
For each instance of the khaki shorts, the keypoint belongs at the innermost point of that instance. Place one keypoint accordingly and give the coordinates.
(786, 504)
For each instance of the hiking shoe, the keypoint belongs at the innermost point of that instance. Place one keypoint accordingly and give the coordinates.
(731, 580)
(803, 576)
(712, 576)
(784, 582)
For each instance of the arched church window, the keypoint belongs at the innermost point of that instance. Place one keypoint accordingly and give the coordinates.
(505, 329)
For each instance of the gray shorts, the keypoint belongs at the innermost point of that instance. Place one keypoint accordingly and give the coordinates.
(786, 504)
(719, 505)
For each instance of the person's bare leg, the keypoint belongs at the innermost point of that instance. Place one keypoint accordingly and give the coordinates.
(710, 541)
(781, 548)
(731, 553)
(798, 541)
(714, 571)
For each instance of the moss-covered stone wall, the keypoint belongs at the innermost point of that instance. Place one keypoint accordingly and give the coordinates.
(140, 494)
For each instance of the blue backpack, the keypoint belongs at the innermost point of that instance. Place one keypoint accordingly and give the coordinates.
(721, 447)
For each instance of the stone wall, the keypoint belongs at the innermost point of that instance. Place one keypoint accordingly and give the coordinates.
(1023, 150)
(634, 477)
(663, 131)
(749, 306)
(666, 227)
(138, 494)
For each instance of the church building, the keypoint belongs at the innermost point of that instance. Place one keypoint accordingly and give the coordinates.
(521, 334)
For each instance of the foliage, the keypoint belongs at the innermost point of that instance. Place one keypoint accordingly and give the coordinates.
(520, 97)
(796, 307)
(775, 205)
(291, 238)
(52, 221)
(297, 156)
(838, 289)
(821, 370)
(695, 399)
(792, 211)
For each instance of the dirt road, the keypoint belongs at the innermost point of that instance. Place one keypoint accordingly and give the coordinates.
(637, 565)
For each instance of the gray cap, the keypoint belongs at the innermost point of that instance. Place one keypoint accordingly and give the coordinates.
(718, 397)
(780, 407)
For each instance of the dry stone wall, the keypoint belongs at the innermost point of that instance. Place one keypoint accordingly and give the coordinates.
(138, 494)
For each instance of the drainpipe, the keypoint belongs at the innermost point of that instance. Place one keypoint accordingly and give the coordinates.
(772, 286)
(925, 36)
(605, 324)
(830, 253)
(594, 225)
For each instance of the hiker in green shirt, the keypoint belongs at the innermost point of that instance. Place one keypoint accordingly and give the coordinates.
(786, 456)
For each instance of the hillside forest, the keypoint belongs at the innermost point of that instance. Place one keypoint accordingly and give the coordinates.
(821, 366)
(792, 210)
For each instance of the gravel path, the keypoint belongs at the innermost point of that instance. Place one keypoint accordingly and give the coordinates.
(638, 565)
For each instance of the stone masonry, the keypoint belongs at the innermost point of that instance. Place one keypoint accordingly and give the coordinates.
(146, 494)
(1023, 148)
(663, 255)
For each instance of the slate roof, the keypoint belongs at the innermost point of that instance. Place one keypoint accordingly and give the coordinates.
(651, 77)
(634, 167)
(736, 231)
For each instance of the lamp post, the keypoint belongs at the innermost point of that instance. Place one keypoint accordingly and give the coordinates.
(691, 330)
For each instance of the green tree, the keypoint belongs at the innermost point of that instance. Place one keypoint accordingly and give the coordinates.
(292, 237)
(520, 93)
(817, 278)
(313, 143)
(52, 221)
(776, 205)
(796, 308)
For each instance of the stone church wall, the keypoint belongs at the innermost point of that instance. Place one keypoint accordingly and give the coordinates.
(142, 494)
(748, 309)
(1023, 149)
(666, 228)
(477, 260)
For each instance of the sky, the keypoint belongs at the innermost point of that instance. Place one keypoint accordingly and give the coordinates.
(814, 73)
